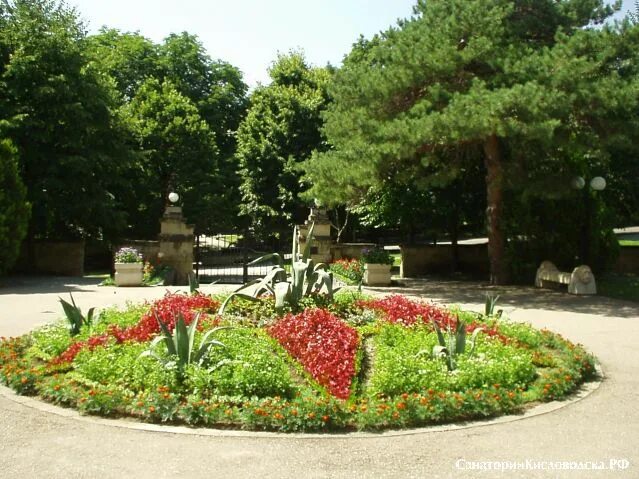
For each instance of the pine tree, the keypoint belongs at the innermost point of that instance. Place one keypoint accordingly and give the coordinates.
(496, 76)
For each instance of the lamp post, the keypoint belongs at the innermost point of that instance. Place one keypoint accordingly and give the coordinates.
(596, 184)
(174, 197)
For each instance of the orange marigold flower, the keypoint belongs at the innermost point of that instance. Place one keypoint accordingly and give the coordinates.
(24, 380)
(151, 409)
(325, 418)
(401, 405)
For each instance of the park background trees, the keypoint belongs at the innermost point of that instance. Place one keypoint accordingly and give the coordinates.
(467, 106)
(524, 84)
(281, 130)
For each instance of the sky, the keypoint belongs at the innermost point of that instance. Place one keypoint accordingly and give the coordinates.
(250, 33)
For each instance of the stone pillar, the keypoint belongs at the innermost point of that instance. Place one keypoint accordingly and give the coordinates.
(176, 244)
(322, 242)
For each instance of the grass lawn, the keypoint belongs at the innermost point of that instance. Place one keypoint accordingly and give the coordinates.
(621, 286)
(629, 242)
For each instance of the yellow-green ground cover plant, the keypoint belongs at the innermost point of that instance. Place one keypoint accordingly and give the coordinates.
(352, 362)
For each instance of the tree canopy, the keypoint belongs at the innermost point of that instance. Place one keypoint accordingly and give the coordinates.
(57, 110)
(14, 209)
(522, 82)
(281, 130)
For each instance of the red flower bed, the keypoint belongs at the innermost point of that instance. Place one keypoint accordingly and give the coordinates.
(73, 350)
(400, 309)
(167, 309)
(323, 344)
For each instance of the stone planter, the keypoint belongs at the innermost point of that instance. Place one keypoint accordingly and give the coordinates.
(128, 274)
(377, 274)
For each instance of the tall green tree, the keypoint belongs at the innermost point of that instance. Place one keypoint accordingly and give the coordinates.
(14, 209)
(57, 110)
(505, 77)
(178, 154)
(215, 88)
(129, 58)
(281, 129)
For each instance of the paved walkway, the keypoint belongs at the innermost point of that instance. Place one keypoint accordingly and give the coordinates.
(602, 427)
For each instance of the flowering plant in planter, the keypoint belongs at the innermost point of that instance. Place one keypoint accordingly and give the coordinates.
(377, 256)
(128, 255)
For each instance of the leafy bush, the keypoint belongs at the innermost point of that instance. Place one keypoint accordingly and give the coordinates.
(403, 363)
(122, 365)
(251, 365)
(377, 256)
(15, 211)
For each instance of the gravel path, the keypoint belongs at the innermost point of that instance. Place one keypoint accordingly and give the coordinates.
(602, 427)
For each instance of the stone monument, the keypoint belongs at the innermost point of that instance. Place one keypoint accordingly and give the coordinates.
(322, 242)
(176, 244)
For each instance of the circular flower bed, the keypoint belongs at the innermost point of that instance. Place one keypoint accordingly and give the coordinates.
(351, 363)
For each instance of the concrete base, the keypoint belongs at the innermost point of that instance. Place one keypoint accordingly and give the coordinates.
(128, 274)
(377, 274)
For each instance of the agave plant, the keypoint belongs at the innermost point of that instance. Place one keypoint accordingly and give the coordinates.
(489, 308)
(452, 343)
(75, 316)
(306, 278)
(180, 344)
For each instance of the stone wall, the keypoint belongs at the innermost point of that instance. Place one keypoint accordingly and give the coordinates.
(349, 250)
(628, 261)
(63, 258)
(420, 260)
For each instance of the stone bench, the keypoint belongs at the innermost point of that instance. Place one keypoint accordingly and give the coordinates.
(580, 281)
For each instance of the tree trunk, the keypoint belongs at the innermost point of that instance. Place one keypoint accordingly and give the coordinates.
(494, 197)
(454, 236)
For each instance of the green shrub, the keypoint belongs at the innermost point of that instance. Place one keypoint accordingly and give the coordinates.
(403, 363)
(121, 365)
(50, 341)
(123, 318)
(251, 364)
(15, 211)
